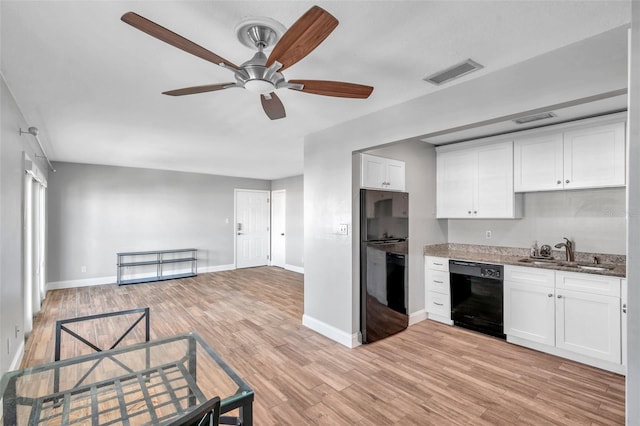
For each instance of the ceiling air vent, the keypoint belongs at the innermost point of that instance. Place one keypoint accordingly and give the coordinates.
(453, 72)
(530, 118)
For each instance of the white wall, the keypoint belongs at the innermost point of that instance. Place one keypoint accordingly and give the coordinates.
(294, 216)
(12, 147)
(97, 211)
(330, 298)
(594, 219)
(633, 254)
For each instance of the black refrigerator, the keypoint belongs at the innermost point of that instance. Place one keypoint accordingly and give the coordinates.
(384, 231)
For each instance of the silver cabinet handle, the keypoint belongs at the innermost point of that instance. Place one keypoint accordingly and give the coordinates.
(559, 296)
(437, 264)
(624, 308)
(439, 304)
(566, 181)
(469, 212)
(550, 294)
(475, 212)
(438, 282)
(559, 182)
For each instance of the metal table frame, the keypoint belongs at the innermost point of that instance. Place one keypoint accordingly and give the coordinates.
(242, 399)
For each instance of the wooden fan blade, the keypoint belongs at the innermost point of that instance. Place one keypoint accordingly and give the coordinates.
(198, 89)
(304, 35)
(273, 107)
(176, 40)
(334, 88)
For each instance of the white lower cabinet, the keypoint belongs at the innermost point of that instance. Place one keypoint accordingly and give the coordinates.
(437, 291)
(588, 324)
(623, 322)
(529, 304)
(574, 315)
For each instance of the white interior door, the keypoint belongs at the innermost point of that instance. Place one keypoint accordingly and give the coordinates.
(278, 235)
(252, 228)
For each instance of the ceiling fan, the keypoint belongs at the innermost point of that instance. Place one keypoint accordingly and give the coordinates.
(262, 74)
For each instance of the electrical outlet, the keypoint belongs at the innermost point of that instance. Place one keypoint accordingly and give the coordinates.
(83, 268)
(487, 235)
(343, 229)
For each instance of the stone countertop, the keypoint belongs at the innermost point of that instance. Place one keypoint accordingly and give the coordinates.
(512, 256)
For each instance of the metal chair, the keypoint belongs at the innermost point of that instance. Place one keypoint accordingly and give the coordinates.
(60, 327)
(206, 414)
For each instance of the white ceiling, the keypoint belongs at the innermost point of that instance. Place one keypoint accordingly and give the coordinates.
(92, 84)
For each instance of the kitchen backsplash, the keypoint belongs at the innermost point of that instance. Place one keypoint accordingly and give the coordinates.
(594, 219)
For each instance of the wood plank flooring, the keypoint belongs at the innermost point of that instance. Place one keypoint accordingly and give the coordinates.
(430, 374)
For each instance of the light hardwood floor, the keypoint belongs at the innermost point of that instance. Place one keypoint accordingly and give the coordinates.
(430, 374)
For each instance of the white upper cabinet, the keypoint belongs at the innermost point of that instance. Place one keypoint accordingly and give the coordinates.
(476, 181)
(595, 157)
(538, 163)
(381, 173)
(591, 156)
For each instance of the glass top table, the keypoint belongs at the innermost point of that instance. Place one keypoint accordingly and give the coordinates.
(155, 382)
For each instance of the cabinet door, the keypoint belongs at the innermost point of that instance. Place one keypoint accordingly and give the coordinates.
(372, 171)
(588, 324)
(537, 163)
(456, 171)
(493, 194)
(529, 312)
(595, 157)
(395, 175)
(623, 322)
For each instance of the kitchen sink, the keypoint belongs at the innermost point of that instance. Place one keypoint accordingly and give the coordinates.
(534, 261)
(565, 264)
(595, 266)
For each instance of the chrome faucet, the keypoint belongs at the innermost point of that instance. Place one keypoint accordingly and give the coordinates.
(568, 247)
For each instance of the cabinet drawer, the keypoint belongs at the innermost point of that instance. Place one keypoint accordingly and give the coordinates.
(439, 304)
(530, 276)
(588, 283)
(438, 281)
(437, 263)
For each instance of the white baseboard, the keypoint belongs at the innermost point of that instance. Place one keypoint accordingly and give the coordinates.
(216, 268)
(416, 317)
(57, 285)
(15, 364)
(333, 333)
(298, 269)
(605, 365)
(86, 282)
(17, 358)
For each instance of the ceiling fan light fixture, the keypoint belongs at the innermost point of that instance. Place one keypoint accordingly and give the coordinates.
(259, 86)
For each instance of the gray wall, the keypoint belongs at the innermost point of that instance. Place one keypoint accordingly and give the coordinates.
(294, 216)
(424, 228)
(97, 211)
(594, 219)
(12, 147)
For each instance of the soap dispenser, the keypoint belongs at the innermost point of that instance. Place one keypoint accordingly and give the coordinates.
(534, 249)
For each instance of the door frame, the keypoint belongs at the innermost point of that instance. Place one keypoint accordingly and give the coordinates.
(235, 221)
(284, 213)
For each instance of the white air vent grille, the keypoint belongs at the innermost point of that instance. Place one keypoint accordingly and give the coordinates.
(453, 72)
(530, 118)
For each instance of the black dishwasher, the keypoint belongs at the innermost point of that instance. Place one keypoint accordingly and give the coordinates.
(477, 296)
